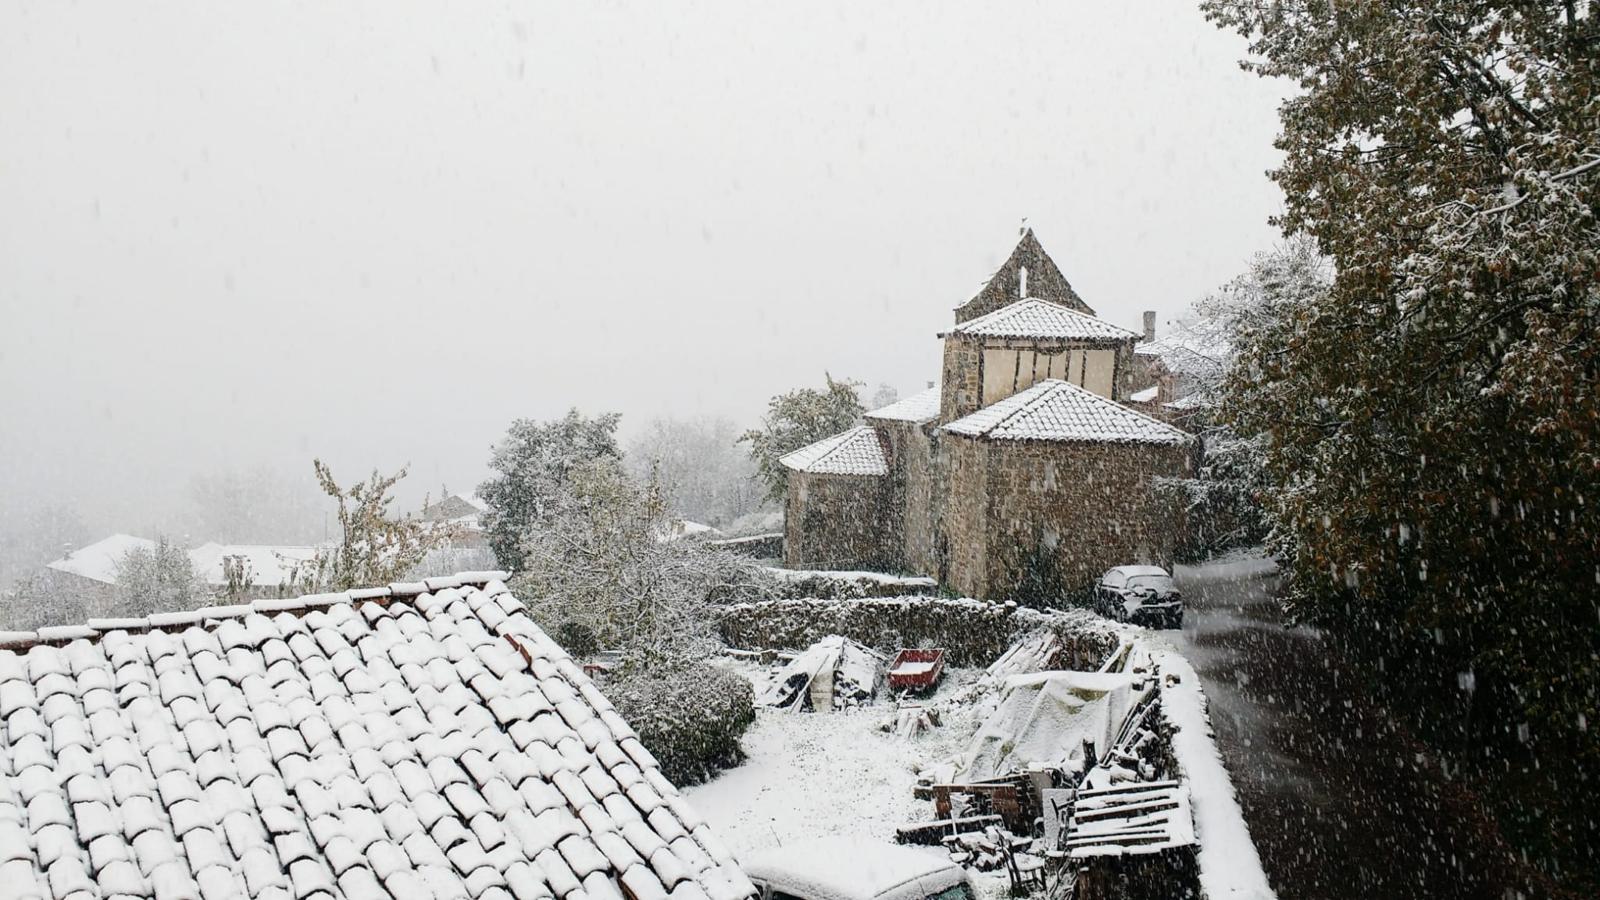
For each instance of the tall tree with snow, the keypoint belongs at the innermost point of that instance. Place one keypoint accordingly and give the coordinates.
(795, 419)
(1432, 419)
(533, 464)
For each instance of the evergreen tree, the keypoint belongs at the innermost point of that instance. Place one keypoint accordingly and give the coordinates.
(534, 462)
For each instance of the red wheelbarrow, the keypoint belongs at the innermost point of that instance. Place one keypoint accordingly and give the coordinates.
(916, 669)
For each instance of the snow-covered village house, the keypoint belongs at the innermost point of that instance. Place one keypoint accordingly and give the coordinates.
(416, 740)
(1023, 472)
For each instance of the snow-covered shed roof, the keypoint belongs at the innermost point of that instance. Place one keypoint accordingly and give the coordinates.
(853, 452)
(98, 561)
(419, 740)
(1035, 319)
(269, 565)
(919, 407)
(1055, 410)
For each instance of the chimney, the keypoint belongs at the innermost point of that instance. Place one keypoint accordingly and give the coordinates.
(1149, 325)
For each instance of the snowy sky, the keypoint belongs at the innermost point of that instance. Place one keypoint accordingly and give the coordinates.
(243, 234)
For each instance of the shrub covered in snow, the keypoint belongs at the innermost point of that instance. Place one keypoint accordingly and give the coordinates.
(690, 716)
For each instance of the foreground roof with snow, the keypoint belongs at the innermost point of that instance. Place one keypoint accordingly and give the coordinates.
(1054, 410)
(853, 452)
(416, 741)
(1035, 319)
(919, 407)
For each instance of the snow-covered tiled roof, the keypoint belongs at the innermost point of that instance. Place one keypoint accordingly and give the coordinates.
(423, 740)
(853, 452)
(99, 560)
(919, 407)
(1055, 410)
(1042, 320)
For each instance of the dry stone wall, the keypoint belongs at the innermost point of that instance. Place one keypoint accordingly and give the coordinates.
(971, 632)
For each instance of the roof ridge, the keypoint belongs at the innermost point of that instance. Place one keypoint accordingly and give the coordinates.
(1123, 407)
(95, 628)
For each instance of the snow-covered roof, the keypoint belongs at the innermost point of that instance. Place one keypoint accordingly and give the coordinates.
(98, 561)
(269, 565)
(456, 509)
(1186, 354)
(1035, 319)
(919, 407)
(421, 740)
(1055, 410)
(1148, 395)
(853, 452)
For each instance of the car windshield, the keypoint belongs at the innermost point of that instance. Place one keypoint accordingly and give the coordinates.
(1151, 582)
(953, 892)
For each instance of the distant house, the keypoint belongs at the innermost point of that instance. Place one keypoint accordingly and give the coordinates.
(1025, 471)
(464, 515)
(272, 570)
(416, 740)
(80, 585)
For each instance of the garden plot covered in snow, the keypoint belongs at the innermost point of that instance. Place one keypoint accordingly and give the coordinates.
(992, 774)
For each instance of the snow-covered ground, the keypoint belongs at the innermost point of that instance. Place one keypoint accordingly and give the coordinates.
(817, 775)
(814, 775)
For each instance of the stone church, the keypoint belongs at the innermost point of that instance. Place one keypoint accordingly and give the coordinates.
(1023, 474)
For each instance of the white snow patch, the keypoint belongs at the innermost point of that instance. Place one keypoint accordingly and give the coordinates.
(1230, 867)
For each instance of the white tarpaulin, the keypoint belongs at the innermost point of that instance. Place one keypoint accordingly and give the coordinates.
(835, 672)
(1043, 719)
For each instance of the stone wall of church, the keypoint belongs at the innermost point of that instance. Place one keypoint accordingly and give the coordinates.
(838, 522)
(1048, 518)
(962, 390)
(966, 514)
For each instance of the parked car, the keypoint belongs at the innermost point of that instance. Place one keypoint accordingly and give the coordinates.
(1143, 595)
(856, 869)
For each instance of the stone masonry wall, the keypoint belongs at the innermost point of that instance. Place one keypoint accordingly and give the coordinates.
(966, 518)
(1059, 515)
(837, 522)
(962, 390)
(924, 501)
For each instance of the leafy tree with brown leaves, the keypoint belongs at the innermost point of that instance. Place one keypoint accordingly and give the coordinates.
(1433, 419)
(374, 547)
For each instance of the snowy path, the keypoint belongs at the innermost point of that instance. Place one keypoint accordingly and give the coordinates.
(1328, 789)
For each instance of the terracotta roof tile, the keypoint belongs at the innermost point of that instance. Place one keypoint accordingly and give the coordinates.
(919, 407)
(333, 748)
(853, 452)
(1034, 319)
(1058, 411)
